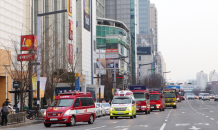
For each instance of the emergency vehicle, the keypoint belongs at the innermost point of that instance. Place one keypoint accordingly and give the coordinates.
(170, 97)
(157, 100)
(182, 94)
(69, 108)
(123, 105)
(141, 96)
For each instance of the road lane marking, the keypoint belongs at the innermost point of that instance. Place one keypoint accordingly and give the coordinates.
(163, 126)
(121, 127)
(182, 124)
(96, 127)
(206, 116)
(165, 120)
(211, 118)
(194, 128)
(143, 125)
(115, 122)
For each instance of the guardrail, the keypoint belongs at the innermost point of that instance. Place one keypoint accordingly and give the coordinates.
(16, 118)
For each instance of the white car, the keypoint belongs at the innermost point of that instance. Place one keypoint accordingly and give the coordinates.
(206, 96)
(97, 111)
(107, 108)
(102, 109)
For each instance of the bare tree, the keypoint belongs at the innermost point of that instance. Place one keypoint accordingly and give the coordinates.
(152, 81)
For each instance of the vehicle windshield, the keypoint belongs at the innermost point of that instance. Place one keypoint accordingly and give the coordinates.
(154, 97)
(139, 96)
(182, 93)
(97, 104)
(106, 104)
(206, 94)
(169, 95)
(121, 100)
(62, 103)
(201, 94)
(216, 96)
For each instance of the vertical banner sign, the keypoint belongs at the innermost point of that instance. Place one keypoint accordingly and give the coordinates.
(42, 86)
(77, 82)
(70, 53)
(70, 11)
(70, 29)
(86, 10)
(102, 91)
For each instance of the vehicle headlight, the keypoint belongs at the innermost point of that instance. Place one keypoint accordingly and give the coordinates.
(130, 108)
(44, 114)
(67, 113)
(111, 108)
(143, 106)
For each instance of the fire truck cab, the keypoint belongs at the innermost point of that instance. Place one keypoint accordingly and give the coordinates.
(157, 100)
(141, 96)
(170, 97)
(69, 108)
(123, 105)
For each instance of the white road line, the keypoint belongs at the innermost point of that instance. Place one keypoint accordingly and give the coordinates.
(96, 127)
(163, 126)
(165, 120)
(206, 116)
(115, 122)
(211, 118)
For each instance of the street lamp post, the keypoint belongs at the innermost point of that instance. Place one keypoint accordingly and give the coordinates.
(39, 52)
(163, 76)
(140, 71)
(6, 79)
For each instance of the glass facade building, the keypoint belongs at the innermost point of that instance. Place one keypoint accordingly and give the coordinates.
(144, 16)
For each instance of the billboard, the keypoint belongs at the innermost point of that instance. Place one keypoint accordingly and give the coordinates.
(143, 50)
(86, 10)
(112, 56)
(70, 11)
(28, 42)
(110, 63)
(70, 53)
(70, 29)
(111, 47)
(102, 91)
(42, 86)
(26, 57)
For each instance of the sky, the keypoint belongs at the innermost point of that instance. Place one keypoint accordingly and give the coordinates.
(188, 37)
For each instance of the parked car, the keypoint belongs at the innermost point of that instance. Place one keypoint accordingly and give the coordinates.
(206, 96)
(97, 110)
(107, 108)
(102, 109)
(216, 98)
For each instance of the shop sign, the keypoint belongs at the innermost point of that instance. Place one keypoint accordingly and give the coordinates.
(70, 29)
(28, 42)
(27, 57)
(111, 50)
(70, 53)
(70, 11)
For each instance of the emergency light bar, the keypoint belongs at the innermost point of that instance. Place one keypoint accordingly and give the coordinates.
(123, 93)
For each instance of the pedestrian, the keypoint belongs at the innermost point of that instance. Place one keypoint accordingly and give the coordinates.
(110, 102)
(4, 113)
(7, 102)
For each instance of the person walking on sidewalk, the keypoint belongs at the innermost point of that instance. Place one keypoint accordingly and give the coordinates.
(4, 113)
(7, 102)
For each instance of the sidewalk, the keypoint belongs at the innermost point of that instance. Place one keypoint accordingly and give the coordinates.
(28, 122)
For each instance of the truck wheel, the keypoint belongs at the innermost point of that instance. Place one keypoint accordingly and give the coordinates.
(72, 122)
(47, 125)
(135, 116)
(91, 119)
(174, 107)
(132, 116)
(111, 117)
(148, 112)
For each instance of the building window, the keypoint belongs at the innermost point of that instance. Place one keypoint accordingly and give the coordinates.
(139, 58)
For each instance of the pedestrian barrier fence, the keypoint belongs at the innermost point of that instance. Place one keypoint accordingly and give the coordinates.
(16, 118)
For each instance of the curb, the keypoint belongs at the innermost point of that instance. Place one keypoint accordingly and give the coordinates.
(21, 124)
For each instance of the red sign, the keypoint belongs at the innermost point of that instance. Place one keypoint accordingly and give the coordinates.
(26, 57)
(70, 29)
(70, 53)
(111, 50)
(28, 42)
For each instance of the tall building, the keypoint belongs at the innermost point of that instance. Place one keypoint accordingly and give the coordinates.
(124, 10)
(100, 8)
(161, 65)
(144, 16)
(154, 23)
(14, 21)
(202, 79)
(213, 76)
(85, 40)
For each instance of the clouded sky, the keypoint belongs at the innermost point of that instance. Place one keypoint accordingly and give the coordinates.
(188, 36)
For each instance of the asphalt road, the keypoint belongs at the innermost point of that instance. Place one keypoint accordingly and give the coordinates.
(189, 115)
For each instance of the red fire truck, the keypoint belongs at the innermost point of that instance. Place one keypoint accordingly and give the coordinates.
(157, 100)
(182, 94)
(141, 96)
